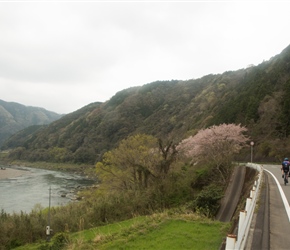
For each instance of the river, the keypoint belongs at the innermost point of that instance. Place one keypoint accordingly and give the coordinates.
(22, 193)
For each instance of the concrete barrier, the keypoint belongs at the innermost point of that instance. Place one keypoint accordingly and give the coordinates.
(238, 241)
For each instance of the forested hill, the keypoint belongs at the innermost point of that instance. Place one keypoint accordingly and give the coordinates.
(257, 97)
(15, 117)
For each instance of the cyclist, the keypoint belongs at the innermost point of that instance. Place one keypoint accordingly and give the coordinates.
(285, 168)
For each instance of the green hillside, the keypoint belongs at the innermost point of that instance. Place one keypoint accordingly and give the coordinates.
(14, 117)
(256, 97)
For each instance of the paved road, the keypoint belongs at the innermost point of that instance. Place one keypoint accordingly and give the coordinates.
(271, 227)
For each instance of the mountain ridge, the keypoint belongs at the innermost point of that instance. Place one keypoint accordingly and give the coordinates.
(256, 97)
(15, 117)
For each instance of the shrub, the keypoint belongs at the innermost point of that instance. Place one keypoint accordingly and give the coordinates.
(58, 242)
(207, 201)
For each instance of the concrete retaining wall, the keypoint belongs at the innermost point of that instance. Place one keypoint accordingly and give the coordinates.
(238, 241)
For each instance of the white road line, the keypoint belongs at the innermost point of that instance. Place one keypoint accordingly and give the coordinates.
(286, 205)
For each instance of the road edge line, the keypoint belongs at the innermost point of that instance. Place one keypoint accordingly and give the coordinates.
(283, 196)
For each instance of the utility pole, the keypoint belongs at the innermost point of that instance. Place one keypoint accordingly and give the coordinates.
(48, 218)
(252, 144)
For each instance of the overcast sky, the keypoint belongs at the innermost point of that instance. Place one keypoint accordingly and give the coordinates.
(63, 55)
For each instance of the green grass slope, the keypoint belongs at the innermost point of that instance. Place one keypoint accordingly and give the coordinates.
(159, 231)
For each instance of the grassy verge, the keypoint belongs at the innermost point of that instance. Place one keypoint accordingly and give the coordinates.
(159, 231)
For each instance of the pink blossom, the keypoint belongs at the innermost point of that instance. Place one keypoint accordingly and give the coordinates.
(218, 143)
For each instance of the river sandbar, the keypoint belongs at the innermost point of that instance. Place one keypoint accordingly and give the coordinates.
(9, 173)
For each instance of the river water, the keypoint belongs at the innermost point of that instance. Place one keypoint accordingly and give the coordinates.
(24, 192)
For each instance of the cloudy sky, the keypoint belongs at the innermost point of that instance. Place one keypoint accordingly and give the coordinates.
(63, 55)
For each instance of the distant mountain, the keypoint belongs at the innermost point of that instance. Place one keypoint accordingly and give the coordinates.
(256, 97)
(15, 117)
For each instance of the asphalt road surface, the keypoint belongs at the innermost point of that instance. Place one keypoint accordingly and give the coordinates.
(271, 226)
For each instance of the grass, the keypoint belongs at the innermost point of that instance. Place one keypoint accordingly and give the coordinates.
(170, 234)
(158, 231)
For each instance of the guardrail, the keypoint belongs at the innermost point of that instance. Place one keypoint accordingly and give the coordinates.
(238, 241)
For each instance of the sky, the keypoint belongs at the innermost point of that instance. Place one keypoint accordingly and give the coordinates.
(64, 55)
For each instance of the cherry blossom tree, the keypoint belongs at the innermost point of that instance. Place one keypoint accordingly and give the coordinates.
(216, 146)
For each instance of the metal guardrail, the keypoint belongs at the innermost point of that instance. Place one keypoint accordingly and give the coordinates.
(237, 242)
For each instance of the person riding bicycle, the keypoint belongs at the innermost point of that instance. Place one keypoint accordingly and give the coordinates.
(285, 168)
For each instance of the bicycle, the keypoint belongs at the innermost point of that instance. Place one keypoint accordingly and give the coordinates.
(285, 176)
